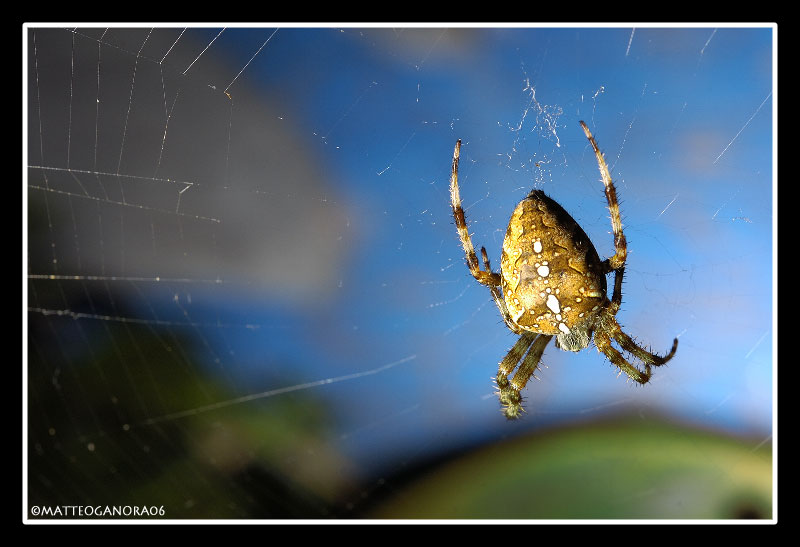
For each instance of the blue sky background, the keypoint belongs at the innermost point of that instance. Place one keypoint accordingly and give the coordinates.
(331, 270)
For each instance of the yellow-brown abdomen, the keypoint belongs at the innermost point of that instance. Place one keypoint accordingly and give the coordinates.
(552, 277)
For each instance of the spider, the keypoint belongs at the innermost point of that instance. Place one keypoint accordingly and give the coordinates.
(552, 283)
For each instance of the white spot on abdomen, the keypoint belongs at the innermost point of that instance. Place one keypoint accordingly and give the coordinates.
(553, 304)
(537, 246)
(544, 271)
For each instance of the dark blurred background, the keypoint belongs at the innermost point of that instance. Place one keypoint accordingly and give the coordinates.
(246, 297)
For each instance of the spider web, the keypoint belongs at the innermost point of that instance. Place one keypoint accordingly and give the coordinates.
(245, 296)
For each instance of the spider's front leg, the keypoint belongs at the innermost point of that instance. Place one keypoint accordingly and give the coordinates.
(620, 244)
(610, 329)
(485, 276)
(616, 297)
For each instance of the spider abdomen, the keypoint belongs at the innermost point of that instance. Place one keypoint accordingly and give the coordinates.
(552, 278)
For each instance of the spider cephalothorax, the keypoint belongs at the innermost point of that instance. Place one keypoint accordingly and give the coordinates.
(553, 283)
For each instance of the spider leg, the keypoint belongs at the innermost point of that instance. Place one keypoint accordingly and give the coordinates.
(612, 330)
(509, 393)
(603, 343)
(616, 297)
(608, 328)
(513, 357)
(620, 245)
(627, 343)
(485, 276)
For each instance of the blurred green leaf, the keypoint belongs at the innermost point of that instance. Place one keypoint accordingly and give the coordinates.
(611, 470)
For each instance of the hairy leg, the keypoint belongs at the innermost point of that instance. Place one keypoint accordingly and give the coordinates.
(620, 245)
